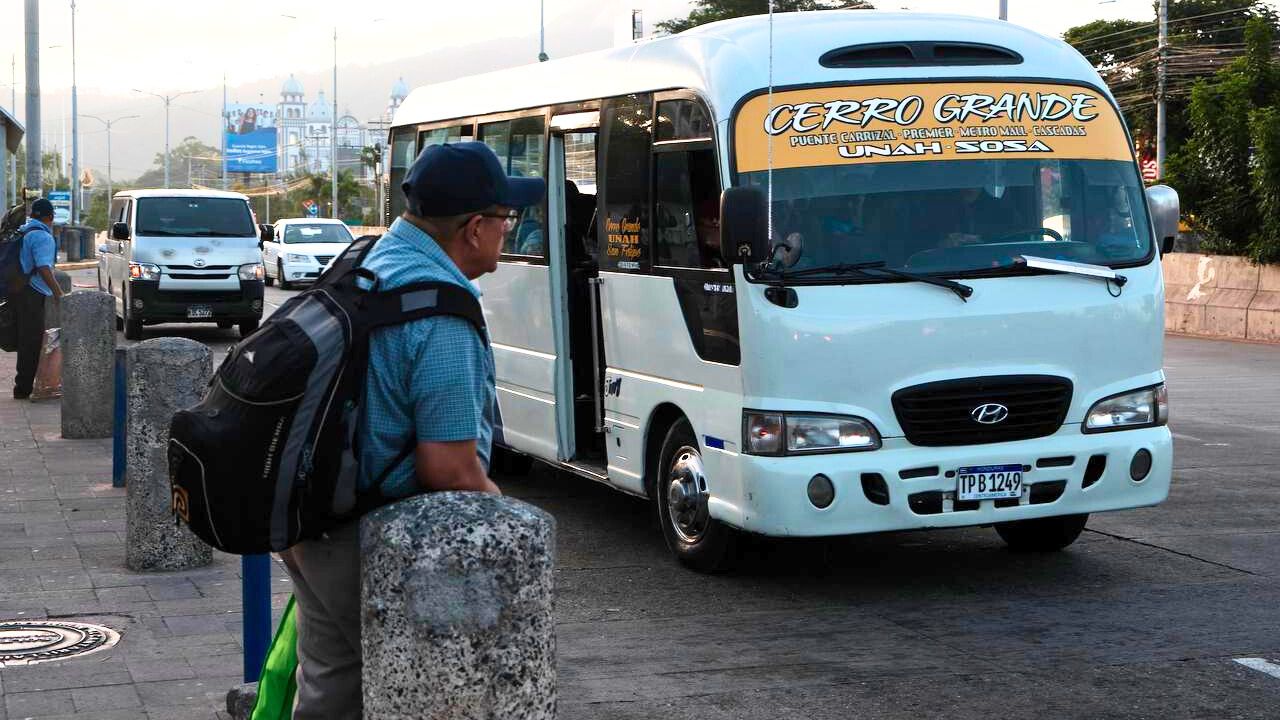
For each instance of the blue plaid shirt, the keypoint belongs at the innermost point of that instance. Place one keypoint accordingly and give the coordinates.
(430, 380)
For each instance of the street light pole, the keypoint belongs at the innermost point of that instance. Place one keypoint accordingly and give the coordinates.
(1162, 45)
(333, 136)
(109, 123)
(75, 128)
(542, 31)
(167, 100)
(35, 167)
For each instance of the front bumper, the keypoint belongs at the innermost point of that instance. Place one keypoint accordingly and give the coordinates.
(773, 499)
(154, 305)
(301, 271)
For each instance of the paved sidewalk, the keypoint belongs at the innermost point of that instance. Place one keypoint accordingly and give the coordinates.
(62, 531)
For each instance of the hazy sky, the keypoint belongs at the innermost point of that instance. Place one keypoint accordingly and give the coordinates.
(167, 46)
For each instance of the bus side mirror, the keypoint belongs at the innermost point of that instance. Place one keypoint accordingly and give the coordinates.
(266, 233)
(744, 225)
(119, 231)
(1162, 200)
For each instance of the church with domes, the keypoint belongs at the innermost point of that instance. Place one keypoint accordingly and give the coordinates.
(307, 129)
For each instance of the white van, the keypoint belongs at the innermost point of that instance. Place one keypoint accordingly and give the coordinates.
(186, 256)
(905, 277)
(297, 250)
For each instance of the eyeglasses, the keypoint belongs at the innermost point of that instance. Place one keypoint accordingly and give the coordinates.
(509, 219)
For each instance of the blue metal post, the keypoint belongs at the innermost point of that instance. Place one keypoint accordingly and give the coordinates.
(255, 598)
(118, 426)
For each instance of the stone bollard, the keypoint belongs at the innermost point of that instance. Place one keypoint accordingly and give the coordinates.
(52, 308)
(165, 375)
(88, 364)
(456, 600)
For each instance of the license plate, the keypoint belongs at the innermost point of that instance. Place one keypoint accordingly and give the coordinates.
(197, 312)
(989, 482)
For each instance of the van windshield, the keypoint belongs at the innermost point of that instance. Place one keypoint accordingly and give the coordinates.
(317, 233)
(960, 217)
(194, 217)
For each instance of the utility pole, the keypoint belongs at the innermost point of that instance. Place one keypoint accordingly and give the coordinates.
(13, 103)
(333, 135)
(75, 128)
(1162, 47)
(109, 123)
(223, 131)
(35, 169)
(167, 100)
(542, 31)
(1004, 9)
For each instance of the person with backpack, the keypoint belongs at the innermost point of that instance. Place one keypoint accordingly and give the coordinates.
(36, 260)
(430, 398)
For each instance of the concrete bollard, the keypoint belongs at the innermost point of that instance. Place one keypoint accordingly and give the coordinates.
(88, 364)
(52, 308)
(165, 375)
(456, 601)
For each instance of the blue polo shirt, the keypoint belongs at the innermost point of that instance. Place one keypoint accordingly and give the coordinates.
(430, 380)
(38, 250)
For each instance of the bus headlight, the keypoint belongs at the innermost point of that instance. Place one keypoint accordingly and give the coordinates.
(252, 271)
(1147, 407)
(795, 434)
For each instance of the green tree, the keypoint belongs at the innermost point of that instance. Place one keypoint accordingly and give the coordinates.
(206, 162)
(1203, 37)
(1228, 170)
(707, 11)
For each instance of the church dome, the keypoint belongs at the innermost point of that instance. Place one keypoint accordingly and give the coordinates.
(399, 91)
(320, 110)
(291, 86)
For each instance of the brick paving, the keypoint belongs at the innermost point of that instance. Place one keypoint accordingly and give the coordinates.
(62, 532)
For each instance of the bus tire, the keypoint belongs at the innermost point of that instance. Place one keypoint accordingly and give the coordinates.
(1042, 534)
(697, 540)
(510, 463)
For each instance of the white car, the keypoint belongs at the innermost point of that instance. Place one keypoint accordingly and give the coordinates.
(300, 248)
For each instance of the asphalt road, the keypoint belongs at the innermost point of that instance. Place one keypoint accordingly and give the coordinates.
(1146, 616)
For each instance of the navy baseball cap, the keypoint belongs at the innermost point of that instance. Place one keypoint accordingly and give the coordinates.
(41, 208)
(465, 177)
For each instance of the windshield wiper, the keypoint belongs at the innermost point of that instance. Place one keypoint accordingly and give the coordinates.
(1069, 267)
(868, 269)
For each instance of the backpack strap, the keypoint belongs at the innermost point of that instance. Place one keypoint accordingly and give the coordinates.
(422, 300)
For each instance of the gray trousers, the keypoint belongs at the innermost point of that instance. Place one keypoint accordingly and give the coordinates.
(326, 585)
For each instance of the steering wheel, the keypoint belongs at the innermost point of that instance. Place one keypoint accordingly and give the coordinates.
(1029, 231)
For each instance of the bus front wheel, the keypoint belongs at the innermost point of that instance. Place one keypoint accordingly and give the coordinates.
(698, 541)
(1042, 534)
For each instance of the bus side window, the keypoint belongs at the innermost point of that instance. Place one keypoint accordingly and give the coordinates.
(519, 146)
(625, 142)
(687, 210)
(403, 152)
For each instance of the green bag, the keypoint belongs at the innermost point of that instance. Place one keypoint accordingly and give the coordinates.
(278, 682)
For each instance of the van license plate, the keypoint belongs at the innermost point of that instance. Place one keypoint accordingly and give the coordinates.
(199, 312)
(989, 482)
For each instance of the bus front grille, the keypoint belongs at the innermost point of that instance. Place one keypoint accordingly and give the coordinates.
(946, 413)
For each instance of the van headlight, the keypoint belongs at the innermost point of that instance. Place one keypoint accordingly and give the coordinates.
(1148, 407)
(252, 271)
(802, 433)
(144, 271)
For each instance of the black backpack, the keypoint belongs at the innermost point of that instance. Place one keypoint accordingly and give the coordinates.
(12, 279)
(270, 455)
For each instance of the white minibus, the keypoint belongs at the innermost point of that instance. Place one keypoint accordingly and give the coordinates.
(854, 271)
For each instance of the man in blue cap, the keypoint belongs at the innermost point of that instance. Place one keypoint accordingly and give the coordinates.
(430, 387)
(38, 255)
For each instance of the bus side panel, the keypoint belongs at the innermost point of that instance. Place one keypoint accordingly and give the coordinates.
(650, 361)
(517, 303)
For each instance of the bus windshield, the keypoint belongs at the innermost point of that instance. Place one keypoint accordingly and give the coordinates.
(952, 217)
(945, 177)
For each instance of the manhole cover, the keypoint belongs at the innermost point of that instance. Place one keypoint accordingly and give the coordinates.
(37, 641)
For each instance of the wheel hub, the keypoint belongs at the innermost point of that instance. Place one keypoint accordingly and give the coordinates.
(687, 496)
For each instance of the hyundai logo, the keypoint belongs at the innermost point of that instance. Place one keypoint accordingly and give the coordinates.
(989, 414)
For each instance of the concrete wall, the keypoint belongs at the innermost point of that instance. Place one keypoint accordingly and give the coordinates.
(1221, 296)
